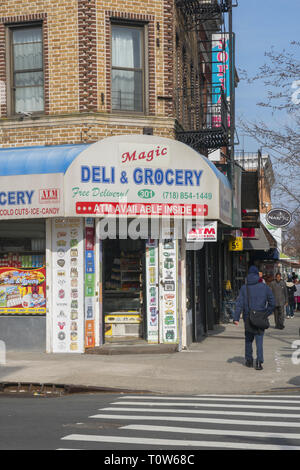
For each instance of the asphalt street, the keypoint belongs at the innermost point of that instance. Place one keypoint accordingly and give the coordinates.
(150, 423)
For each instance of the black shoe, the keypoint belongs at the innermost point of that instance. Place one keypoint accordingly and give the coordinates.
(258, 365)
(249, 363)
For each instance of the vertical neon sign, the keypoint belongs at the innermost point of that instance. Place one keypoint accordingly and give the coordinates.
(220, 74)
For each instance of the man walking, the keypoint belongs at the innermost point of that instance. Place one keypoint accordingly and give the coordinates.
(279, 291)
(297, 295)
(260, 299)
(291, 289)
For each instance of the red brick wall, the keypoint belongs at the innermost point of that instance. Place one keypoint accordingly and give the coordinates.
(87, 39)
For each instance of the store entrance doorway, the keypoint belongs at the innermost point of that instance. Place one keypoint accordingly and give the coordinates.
(123, 290)
(197, 294)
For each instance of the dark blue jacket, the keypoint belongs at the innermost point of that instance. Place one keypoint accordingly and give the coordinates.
(261, 297)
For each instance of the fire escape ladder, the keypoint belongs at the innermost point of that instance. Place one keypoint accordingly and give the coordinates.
(202, 105)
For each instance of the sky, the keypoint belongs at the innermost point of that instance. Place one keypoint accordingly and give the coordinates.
(259, 25)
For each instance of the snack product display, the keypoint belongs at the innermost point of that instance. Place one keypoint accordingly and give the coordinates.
(22, 291)
(168, 253)
(67, 289)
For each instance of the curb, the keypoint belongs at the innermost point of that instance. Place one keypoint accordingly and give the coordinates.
(49, 389)
(34, 389)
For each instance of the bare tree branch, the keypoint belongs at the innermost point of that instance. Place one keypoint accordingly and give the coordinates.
(280, 136)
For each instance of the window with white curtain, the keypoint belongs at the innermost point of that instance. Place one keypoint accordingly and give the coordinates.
(27, 69)
(127, 78)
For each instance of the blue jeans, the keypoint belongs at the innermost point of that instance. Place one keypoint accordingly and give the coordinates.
(249, 338)
(290, 310)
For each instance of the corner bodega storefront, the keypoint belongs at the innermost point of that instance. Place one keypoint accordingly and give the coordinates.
(91, 240)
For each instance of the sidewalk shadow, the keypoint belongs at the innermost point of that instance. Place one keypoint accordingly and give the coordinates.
(217, 330)
(295, 381)
(7, 371)
(238, 359)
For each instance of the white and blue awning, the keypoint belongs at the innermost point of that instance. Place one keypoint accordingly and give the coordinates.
(133, 175)
(38, 160)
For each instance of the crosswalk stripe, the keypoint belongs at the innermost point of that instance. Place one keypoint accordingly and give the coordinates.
(240, 396)
(131, 417)
(212, 405)
(262, 422)
(225, 399)
(214, 432)
(175, 442)
(209, 412)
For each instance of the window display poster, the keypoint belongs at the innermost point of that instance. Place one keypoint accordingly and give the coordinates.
(68, 285)
(168, 291)
(89, 283)
(152, 294)
(22, 291)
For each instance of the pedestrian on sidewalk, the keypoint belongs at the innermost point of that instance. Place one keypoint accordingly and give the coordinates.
(279, 290)
(297, 295)
(260, 299)
(291, 289)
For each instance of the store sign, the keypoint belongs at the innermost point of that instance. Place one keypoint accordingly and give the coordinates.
(50, 195)
(248, 233)
(276, 232)
(220, 67)
(202, 233)
(31, 196)
(123, 318)
(236, 244)
(137, 209)
(279, 218)
(22, 291)
(151, 154)
(220, 76)
(145, 176)
(68, 285)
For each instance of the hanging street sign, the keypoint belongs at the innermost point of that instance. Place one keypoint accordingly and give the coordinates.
(236, 244)
(279, 218)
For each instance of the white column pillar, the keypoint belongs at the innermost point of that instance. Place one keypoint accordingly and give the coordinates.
(183, 310)
(49, 309)
(99, 286)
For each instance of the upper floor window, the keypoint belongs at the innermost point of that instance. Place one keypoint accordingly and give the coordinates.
(27, 71)
(128, 68)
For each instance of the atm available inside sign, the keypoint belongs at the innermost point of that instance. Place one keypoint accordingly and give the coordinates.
(202, 233)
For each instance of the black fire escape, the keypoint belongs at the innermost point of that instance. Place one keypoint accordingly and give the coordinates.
(197, 10)
(203, 109)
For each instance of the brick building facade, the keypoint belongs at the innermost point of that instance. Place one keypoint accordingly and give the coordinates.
(76, 37)
(76, 72)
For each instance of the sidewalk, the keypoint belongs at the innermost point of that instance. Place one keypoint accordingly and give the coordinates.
(213, 366)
